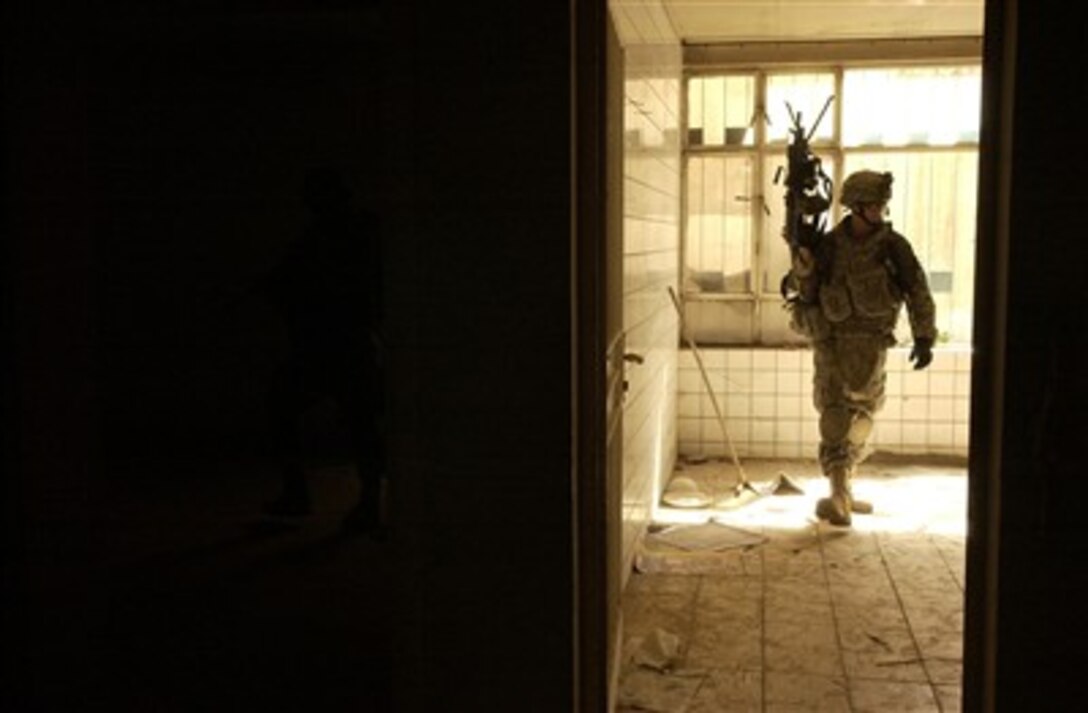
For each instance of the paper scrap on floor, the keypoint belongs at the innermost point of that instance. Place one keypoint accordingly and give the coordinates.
(658, 650)
(711, 535)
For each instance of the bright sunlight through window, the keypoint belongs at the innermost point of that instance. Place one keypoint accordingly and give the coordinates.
(920, 122)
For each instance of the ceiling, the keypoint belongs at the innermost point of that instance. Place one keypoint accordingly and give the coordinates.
(722, 21)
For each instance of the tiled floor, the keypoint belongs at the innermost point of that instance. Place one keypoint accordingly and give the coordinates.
(816, 618)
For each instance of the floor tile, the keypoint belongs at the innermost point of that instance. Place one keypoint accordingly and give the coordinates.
(820, 618)
(802, 647)
(788, 692)
(722, 690)
(940, 643)
(870, 594)
(856, 622)
(874, 650)
(950, 698)
(787, 590)
(798, 610)
(933, 609)
(898, 664)
(714, 588)
(957, 567)
(803, 561)
(644, 689)
(944, 671)
(712, 610)
(725, 642)
(642, 614)
(849, 546)
(675, 584)
(922, 570)
(885, 696)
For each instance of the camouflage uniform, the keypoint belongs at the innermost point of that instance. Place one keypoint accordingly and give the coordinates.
(865, 287)
(849, 308)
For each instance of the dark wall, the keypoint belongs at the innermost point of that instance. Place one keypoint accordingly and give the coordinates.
(160, 157)
(1043, 542)
(199, 132)
(152, 160)
(480, 204)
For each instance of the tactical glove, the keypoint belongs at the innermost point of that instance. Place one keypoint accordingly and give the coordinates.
(922, 353)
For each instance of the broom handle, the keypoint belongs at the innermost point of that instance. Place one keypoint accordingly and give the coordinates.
(709, 388)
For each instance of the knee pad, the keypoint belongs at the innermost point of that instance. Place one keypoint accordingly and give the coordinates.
(860, 428)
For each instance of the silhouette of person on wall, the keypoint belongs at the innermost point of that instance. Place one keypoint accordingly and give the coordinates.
(327, 292)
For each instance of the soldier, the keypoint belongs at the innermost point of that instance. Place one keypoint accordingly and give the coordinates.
(327, 292)
(851, 290)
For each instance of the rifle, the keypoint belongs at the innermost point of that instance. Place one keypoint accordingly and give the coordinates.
(808, 192)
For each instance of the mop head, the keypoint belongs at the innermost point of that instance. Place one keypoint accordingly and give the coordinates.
(745, 493)
(738, 497)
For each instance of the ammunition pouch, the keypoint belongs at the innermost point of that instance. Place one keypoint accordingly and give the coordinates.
(835, 302)
(873, 294)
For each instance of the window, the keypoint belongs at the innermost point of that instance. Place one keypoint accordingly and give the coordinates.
(919, 122)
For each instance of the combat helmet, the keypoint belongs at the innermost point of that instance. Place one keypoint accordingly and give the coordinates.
(866, 187)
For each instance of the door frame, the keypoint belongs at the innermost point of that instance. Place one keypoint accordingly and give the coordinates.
(589, 348)
(589, 384)
(987, 361)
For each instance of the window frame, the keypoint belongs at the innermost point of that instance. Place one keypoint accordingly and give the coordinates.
(762, 296)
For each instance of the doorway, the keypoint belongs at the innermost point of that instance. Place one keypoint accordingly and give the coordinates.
(645, 245)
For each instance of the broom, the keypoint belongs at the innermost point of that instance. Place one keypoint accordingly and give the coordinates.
(743, 492)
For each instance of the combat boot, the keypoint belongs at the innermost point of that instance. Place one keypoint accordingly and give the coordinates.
(858, 507)
(837, 508)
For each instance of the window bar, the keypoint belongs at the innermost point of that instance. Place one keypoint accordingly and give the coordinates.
(756, 208)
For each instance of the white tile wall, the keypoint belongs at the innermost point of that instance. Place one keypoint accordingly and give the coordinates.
(651, 197)
(766, 396)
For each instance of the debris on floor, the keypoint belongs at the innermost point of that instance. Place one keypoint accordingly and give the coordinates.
(710, 535)
(785, 485)
(684, 492)
(650, 681)
(706, 548)
(813, 617)
(648, 690)
(658, 650)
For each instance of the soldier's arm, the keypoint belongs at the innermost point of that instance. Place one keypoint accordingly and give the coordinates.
(911, 278)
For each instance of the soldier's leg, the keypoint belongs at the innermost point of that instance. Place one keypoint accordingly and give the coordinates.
(849, 389)
(829, 397)
(863, 361)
